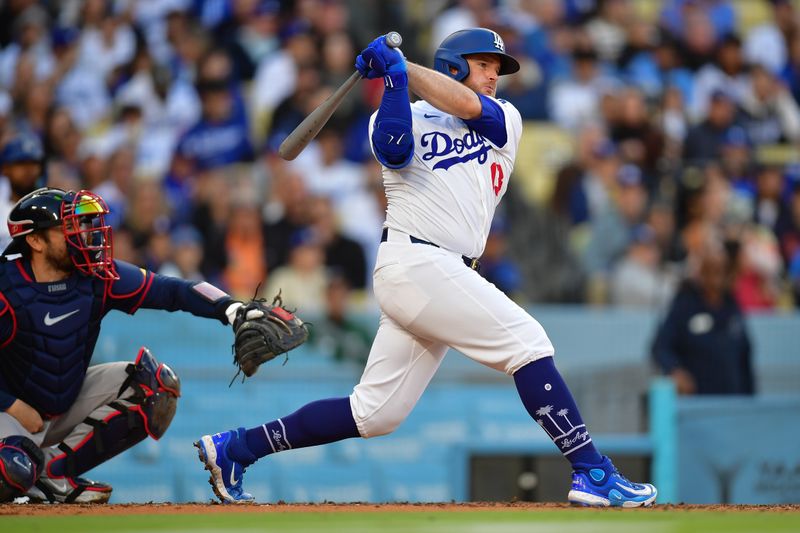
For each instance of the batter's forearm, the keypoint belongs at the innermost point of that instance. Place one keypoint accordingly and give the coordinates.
(443, 93)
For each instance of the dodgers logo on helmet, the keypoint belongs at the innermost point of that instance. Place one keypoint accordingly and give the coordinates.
(498, 42)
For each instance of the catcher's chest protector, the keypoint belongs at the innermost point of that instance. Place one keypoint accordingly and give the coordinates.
(57, 325)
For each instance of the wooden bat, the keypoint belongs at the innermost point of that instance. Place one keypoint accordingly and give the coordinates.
(303, 134)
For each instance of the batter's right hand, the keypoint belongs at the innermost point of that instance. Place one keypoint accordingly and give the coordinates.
(26, 415)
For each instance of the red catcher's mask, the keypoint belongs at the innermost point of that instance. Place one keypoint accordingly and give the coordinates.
(87, 235)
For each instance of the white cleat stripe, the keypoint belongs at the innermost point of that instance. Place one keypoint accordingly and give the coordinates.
(646, 491)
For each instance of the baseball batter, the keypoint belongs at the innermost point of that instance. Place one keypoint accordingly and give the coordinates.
(446, 163)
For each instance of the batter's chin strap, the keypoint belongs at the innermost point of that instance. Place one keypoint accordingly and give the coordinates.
(155, 388)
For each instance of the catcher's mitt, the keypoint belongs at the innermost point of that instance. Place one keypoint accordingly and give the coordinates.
(263, 332)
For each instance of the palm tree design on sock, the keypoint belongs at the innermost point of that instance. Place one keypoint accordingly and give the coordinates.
(564, 412)
(541, 423)
(545, 411)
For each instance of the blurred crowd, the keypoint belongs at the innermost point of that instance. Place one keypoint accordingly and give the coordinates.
(172, 111)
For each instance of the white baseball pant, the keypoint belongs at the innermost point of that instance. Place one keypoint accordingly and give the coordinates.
(430, 301)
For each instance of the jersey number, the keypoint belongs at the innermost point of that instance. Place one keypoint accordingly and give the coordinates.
(497, 178)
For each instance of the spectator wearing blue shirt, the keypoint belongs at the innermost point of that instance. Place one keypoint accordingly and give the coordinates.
(704, 140)
(720, 13)
(221, 137)
(657, 69)
(496, 266)
(703, 343)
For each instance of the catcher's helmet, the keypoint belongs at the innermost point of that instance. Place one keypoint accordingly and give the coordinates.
(22, 148)
(473, 41)
(81, 216)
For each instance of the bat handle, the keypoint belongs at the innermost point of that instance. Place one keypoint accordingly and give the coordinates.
(394, 39)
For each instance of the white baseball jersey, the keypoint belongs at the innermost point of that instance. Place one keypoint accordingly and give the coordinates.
(448, 193)
(430, 300)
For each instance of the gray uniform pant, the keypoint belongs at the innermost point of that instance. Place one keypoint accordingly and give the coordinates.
(100, 387)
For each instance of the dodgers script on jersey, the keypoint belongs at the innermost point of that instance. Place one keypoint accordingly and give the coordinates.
(449, 191)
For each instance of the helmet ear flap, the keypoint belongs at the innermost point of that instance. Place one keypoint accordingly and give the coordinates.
(456, 68)
(38, 210)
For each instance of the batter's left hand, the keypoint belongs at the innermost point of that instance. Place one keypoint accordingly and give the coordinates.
(377, 59)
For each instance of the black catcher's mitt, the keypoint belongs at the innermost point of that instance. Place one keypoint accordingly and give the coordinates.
(263, 332)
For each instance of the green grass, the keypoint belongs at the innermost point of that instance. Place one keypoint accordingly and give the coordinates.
(489, 521)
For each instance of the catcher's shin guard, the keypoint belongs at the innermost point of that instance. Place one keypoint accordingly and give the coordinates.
(155, 395)
(156, 389)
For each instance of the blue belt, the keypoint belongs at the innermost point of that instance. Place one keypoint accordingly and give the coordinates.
(472, 263)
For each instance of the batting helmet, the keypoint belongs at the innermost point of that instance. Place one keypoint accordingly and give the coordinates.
(81, 216)
(22, 148)
(452, 52)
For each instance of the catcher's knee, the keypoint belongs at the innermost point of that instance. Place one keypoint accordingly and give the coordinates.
(20, 465)
(148, 410)
(156, 390)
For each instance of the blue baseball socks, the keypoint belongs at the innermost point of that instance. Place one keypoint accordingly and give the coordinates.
(319, 422)
(540, 386)
(549, 402)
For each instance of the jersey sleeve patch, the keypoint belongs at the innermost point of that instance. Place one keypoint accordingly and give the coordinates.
(209, 291)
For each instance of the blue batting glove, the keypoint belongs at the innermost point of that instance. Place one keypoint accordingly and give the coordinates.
(365, 70)
(399, 64)
(382, 58)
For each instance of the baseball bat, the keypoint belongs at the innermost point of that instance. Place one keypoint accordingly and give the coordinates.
(303, 134)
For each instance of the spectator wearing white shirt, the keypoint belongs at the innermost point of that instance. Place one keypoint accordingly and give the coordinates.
(766, 44)
(81, 88)
(31, 47)
(106, 41)
(728, 73)
(576, 101)
(277, 76)
(637, 280)
(771, 115)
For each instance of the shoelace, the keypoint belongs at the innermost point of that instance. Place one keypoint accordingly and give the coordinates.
(626, 480)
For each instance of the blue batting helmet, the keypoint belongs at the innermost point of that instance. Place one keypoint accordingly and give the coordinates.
(473, 41)
(22, 148)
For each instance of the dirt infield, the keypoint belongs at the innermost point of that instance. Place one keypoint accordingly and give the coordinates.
(205, 508)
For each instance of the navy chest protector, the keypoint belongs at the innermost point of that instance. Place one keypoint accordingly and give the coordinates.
(56, 327)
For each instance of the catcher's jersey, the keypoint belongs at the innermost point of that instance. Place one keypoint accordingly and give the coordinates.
(48, 330)
(448, 193)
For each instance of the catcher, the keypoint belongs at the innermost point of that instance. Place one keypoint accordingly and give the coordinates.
(60, 417)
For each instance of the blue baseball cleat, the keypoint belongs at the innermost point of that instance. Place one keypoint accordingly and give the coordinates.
(226, 474)
(603, 486)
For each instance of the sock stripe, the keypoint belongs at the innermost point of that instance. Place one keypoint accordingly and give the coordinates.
(266, 434)
(577, 447)
(285, 436)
